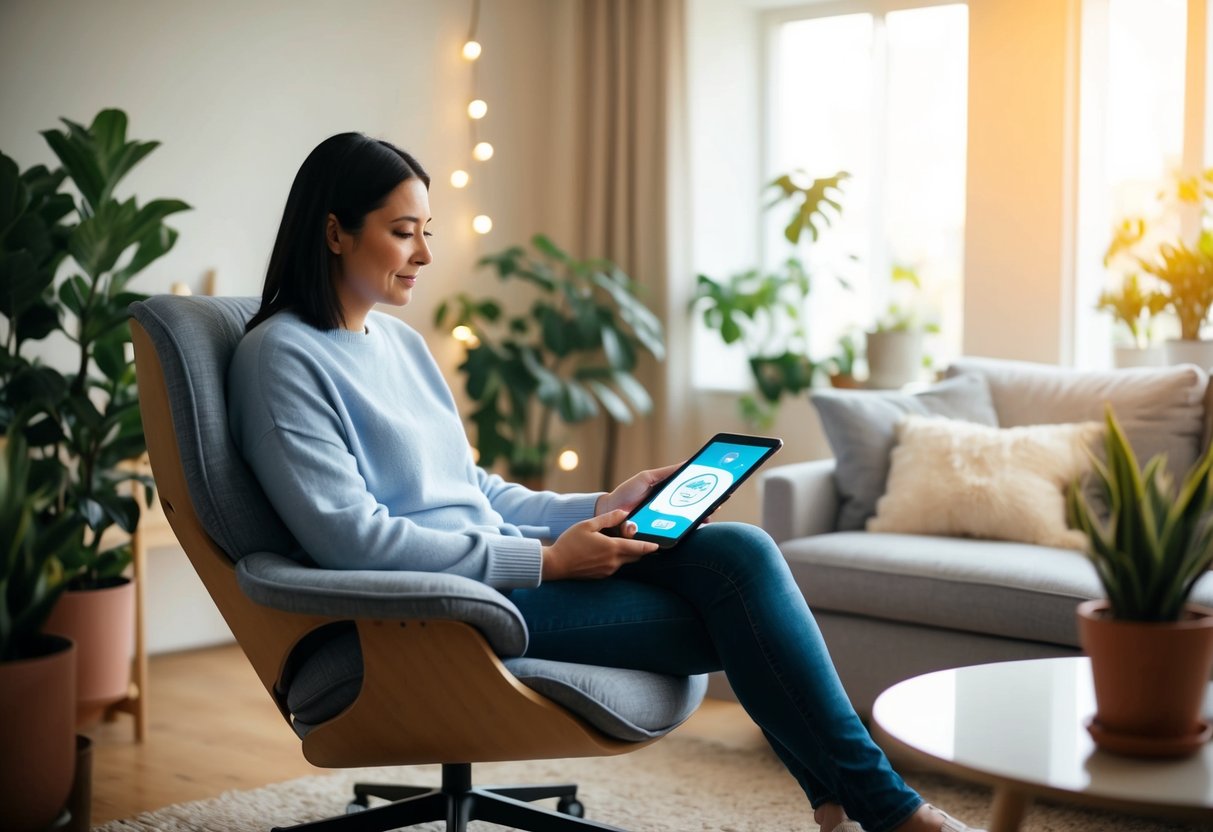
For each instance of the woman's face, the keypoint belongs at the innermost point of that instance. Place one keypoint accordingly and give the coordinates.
(381, 262)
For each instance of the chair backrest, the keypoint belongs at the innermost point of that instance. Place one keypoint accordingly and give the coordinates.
(195, 338)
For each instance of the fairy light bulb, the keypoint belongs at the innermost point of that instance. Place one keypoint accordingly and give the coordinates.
(462, 333)
(568, 460)
(471, 50)
(477, 108)
(460, 179)
(482, 152)
(482, 224)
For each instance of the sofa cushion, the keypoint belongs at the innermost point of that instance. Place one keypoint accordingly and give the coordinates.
(1161, 409)
(950, 477)
(1014, 590)
(860, 427)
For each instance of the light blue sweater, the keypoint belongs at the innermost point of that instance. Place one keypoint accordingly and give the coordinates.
(357, 442)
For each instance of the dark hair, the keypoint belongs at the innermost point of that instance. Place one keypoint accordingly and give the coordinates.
(347, 175)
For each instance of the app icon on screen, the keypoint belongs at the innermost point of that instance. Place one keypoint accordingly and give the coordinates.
(662, 524)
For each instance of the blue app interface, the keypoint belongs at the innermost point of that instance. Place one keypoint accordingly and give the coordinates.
(692, 492)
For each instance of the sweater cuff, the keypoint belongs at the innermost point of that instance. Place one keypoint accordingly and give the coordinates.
(568, 510)
(514, 562)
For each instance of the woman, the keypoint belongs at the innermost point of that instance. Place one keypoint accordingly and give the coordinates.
(349, 426)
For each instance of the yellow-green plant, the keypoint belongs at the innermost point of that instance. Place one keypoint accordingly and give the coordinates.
(1156, 539)
(1133, 307)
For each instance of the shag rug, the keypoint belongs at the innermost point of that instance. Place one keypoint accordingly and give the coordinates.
(677, 785)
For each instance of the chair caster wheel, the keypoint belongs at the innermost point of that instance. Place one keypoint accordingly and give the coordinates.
(358, 804)
(571, 806)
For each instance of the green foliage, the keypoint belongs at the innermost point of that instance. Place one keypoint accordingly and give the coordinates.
(765, 312)
(1134, 307)
(1157, 541)
(903, 315)
(1183, 271)
(82, 425)
(571, 355)
(30, 581)
(842, 363)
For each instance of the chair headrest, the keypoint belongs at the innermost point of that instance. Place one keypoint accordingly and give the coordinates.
(195, 338)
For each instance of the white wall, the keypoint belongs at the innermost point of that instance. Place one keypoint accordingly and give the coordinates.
(238, 93)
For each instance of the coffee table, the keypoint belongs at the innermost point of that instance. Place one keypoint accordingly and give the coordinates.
(1018, 727)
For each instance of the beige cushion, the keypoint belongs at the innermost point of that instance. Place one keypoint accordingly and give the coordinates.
(1161, 409)
(952, 477)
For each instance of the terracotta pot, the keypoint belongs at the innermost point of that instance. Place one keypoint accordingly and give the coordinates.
(1150, 679)
(102, 623)
(845, 382)
(37, 722)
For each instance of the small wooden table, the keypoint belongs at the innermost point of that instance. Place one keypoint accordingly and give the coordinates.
(1019, 727)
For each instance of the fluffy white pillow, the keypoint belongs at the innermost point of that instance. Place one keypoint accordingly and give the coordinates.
(950, 477)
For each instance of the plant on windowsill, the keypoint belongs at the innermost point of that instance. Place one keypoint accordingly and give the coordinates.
(841, 365)
(895, 346)
(85, 426)
(1136, 310)
(765, 312)
(1151, 650)
(1182, 268)
(571, 356)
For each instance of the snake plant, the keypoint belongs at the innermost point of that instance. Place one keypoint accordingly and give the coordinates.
(1156, 539)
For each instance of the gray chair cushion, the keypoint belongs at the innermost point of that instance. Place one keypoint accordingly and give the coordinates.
(1013, 590)
(860, 426)
(630, 705)
(195, 338)
(1161, 409)
(278, 582)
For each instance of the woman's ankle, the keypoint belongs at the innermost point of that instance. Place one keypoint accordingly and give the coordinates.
(829, 815)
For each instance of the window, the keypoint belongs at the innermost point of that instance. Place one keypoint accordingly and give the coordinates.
(881, 94)
(1132, 140)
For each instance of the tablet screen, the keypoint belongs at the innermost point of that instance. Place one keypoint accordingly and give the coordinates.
(697, 488)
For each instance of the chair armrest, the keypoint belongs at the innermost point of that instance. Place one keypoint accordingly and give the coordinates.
(279, 582)
(799, 500)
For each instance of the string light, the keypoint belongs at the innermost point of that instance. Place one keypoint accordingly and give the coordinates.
(471, 50)
(460, 179)
(477, 108)
(483, 151)
(568, 460)
(482, 223)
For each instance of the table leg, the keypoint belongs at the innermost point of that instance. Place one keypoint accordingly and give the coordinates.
(1010, 806)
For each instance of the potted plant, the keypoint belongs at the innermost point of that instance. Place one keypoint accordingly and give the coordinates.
(570, 356)
(86, 425)
(895, 347)
(1136, 309)
(1151, 650)
(37, 671)
(1181, 263)
(842, 364)
(765, 311)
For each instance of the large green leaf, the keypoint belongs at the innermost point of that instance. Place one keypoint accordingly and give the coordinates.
(21, 283)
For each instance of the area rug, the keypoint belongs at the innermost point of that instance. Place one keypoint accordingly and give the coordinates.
(677, 785)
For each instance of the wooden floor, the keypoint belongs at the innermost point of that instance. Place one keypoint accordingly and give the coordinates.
(212, 728)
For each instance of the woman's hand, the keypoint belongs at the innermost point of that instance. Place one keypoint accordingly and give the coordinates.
(628, 495)
(583, 552)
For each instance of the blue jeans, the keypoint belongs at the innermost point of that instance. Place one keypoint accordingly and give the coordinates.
(725, 599)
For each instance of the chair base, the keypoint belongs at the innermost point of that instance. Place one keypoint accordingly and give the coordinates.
(458, 803)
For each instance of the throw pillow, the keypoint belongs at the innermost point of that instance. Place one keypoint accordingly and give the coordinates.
(957, 478)
(860, 426)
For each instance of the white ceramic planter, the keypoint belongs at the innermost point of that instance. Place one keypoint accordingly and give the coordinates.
(1154, 356)
(894, 359)
(1199, 353)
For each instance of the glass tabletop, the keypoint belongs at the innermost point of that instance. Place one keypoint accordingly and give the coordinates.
(1024, 722)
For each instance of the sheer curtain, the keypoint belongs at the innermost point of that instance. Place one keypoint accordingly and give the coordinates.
(618, 91)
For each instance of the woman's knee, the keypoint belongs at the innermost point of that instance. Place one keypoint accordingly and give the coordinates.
(741, 542)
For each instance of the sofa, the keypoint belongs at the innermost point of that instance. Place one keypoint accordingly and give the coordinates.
(892, 606)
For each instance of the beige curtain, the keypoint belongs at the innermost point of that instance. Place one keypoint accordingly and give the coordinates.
(619, 100)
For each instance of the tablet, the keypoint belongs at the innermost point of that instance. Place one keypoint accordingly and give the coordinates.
(678, 504)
